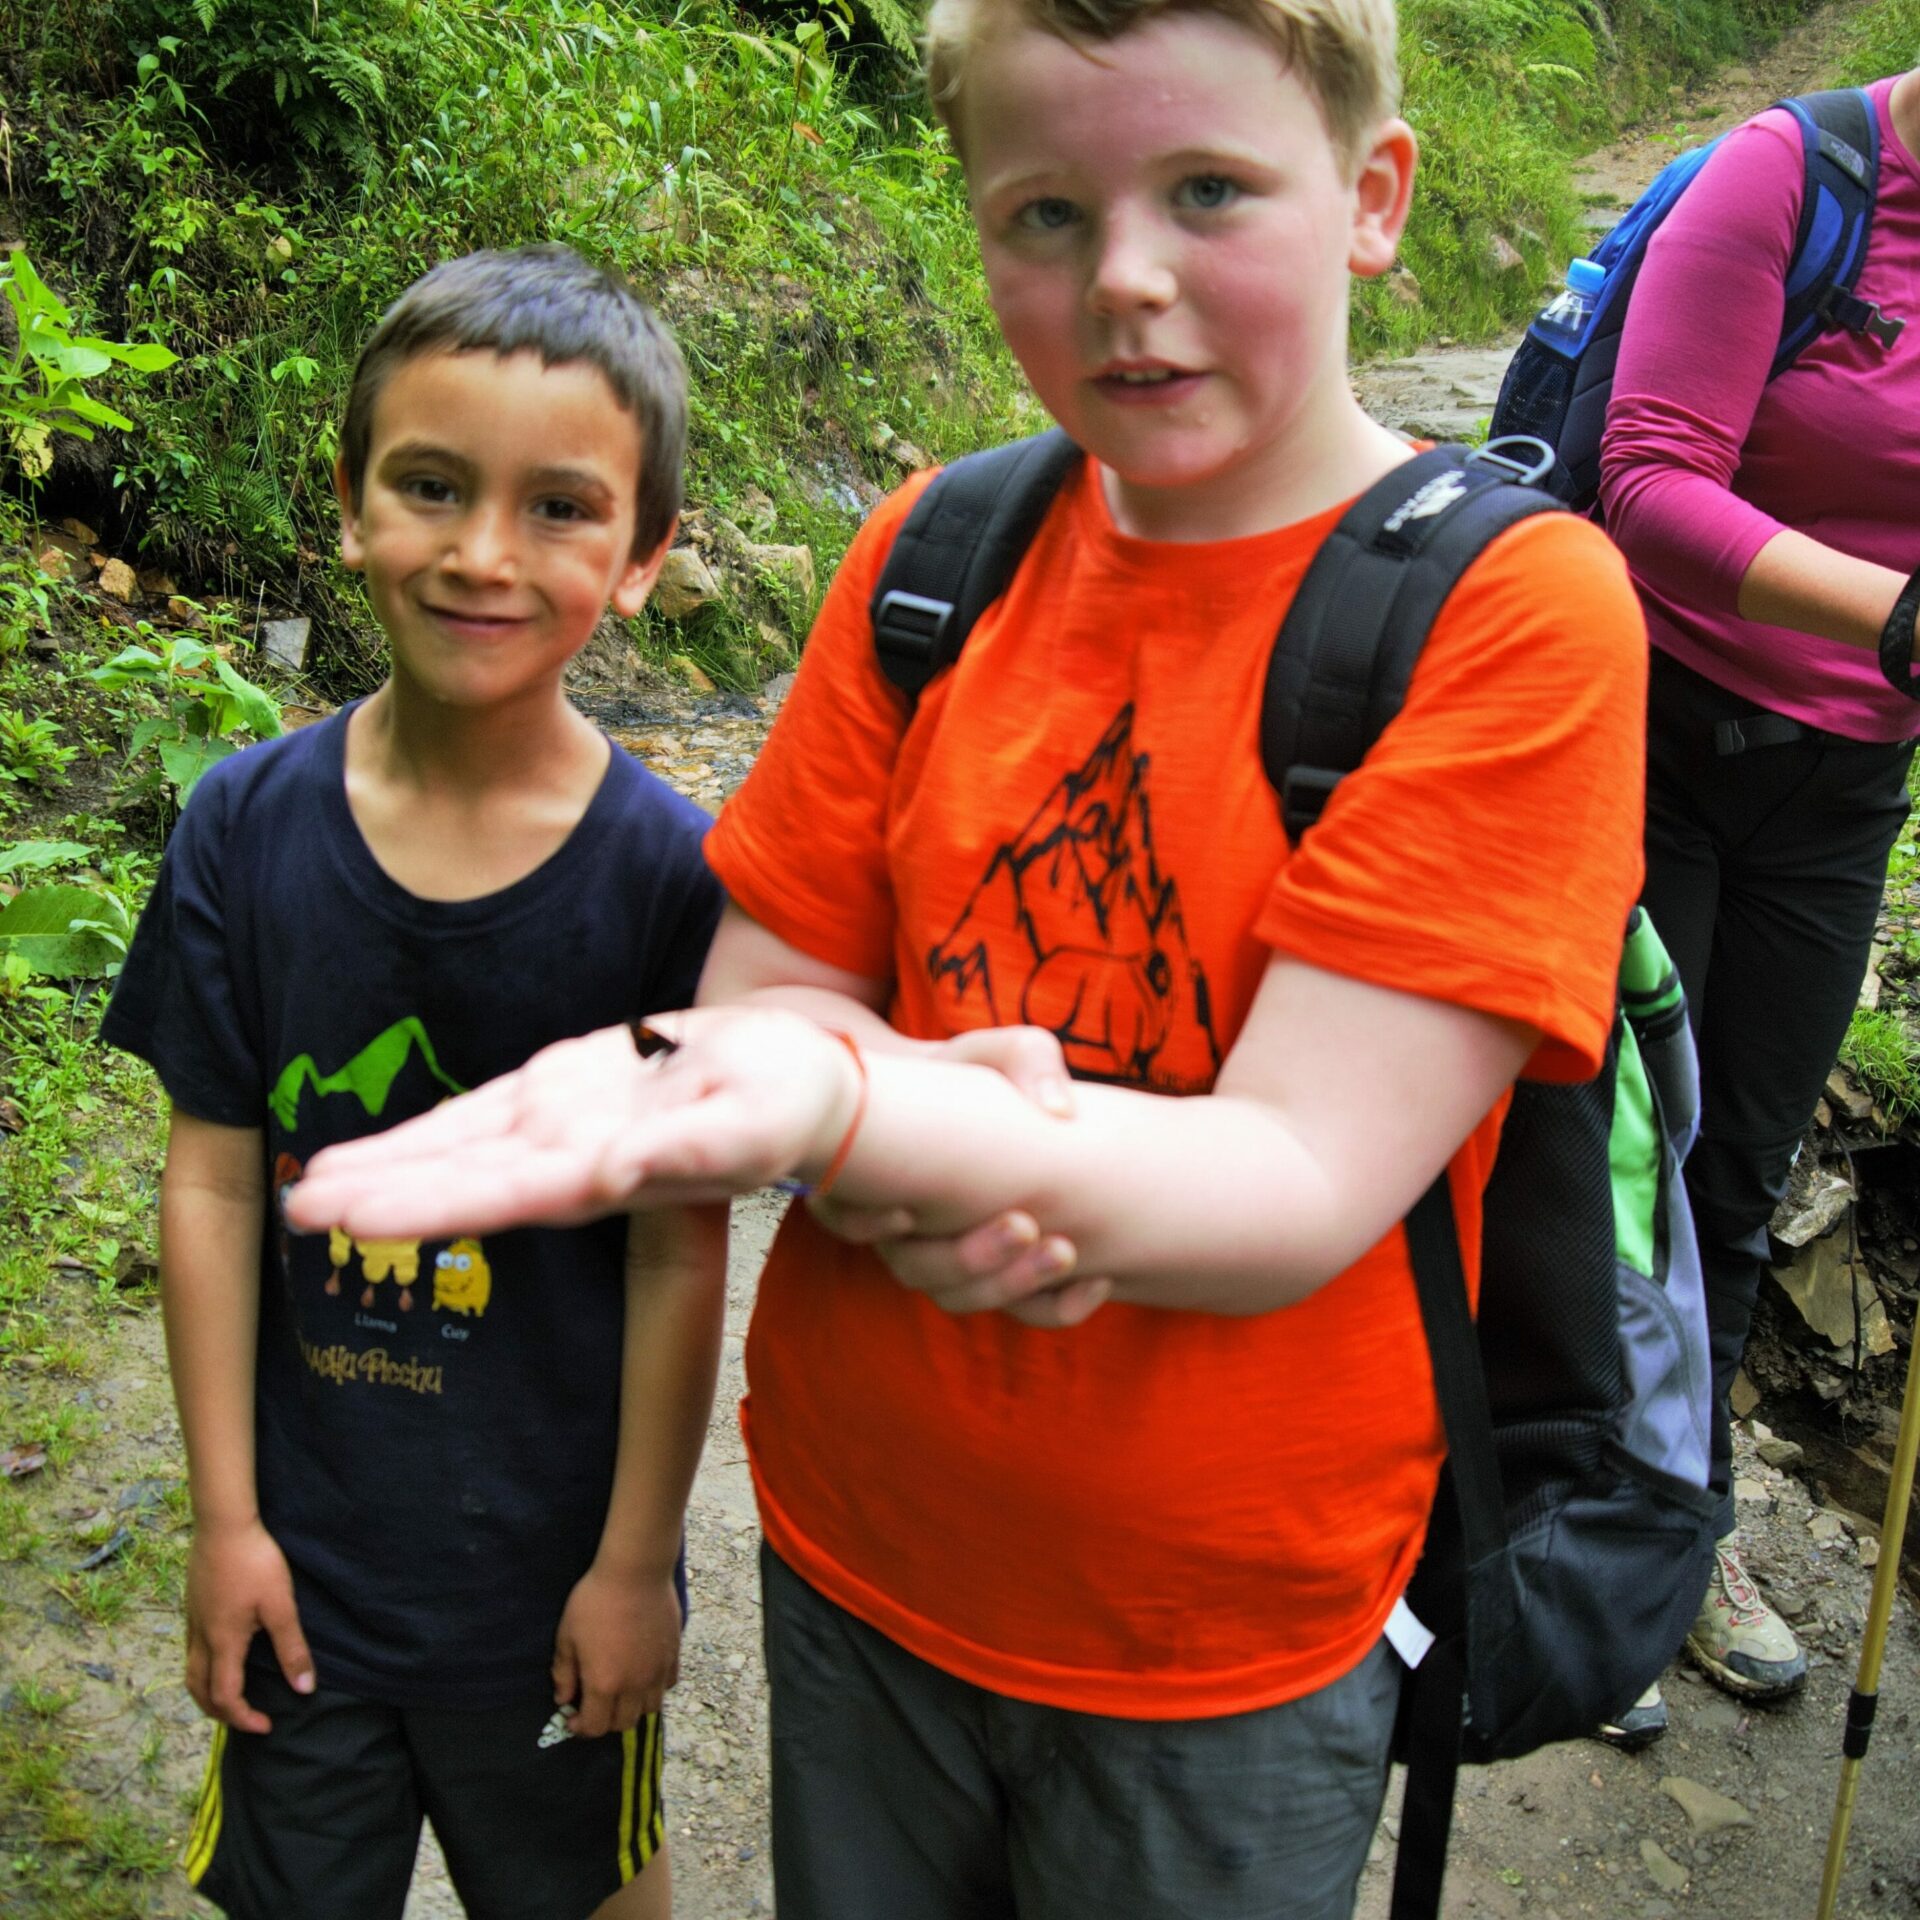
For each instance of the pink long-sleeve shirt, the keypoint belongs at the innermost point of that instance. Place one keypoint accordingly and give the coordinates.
(1704, 461)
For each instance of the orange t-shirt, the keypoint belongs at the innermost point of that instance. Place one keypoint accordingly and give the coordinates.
(1162, 1515)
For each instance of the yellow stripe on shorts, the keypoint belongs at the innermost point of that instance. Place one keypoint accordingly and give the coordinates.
(626, 1806)
(650, 1811)
(206, 1815)
(642, 1815)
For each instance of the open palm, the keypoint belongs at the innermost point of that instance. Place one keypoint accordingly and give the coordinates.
(589, 1127)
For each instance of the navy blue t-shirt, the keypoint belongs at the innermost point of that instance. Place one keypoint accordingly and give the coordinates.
(436, 1422)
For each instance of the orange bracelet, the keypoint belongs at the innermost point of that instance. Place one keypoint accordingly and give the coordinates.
(649, 1042)
(844, 1151)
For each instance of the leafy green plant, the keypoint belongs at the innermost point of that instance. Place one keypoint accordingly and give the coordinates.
(25, 603)
(43, 383)
(1880, 1050)
(232, 490)
(36, 856)
(30, 750)
(63, 932)
(203, 704)
(277, 66)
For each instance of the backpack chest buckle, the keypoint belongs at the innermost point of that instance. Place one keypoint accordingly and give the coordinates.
(1854, 315)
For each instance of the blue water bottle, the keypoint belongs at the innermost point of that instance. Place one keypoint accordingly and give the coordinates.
(1567, 313)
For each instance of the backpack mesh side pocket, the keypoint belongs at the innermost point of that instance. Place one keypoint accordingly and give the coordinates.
(1536, 393)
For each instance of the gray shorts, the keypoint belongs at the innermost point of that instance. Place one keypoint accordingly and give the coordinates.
(902, 1793)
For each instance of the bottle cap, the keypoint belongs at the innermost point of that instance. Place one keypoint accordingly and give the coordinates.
(1584, 276)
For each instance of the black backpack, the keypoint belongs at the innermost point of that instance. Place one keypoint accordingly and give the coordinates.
(1559, 381)
(1572, 1536)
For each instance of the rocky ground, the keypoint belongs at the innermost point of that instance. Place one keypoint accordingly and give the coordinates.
(1724, 1819)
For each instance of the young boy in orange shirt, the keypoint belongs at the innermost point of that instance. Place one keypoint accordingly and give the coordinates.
(1083, 1584)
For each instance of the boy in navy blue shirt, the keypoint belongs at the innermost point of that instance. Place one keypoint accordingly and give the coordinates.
(438, 1487)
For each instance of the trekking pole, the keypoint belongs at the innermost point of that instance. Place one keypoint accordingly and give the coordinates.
(1886, 1580)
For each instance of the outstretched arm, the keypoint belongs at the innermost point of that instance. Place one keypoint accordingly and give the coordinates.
(1338, 1105)
(749, 965)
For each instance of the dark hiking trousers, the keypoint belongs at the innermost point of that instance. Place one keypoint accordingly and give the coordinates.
(1765, 867)
(903, 1793)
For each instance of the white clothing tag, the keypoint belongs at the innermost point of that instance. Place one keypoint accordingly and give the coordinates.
(1409, 1636)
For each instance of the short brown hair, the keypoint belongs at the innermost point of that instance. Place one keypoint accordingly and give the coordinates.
(546, 300)
(1344, 52)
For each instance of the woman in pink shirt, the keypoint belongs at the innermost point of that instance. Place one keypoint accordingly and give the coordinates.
(1773, 529)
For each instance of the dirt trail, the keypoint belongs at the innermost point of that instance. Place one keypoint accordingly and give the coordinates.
(1447, 394)
(1569, 1832)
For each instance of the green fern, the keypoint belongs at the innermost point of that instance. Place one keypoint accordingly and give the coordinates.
(317, 70)
(230, 497)
(897, 22)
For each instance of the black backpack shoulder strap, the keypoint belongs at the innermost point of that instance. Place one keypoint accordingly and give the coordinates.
(1338, 674)
(1841, 134)
(957, 551)
(1348, 645)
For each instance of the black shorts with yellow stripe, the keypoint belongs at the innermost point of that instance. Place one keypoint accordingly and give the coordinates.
(320, 1819)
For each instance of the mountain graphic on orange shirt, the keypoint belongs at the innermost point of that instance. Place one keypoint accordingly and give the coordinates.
(1073, 928)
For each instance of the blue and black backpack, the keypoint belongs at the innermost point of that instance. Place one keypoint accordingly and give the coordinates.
(1571, 1539)
(1559, 380)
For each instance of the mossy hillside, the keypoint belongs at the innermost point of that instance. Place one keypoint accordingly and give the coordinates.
(1504, 95)
(249, 183)
(251, 198)
(1885, 39)
(254, 183)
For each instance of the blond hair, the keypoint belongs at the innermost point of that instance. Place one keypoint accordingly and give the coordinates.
(1344, 52)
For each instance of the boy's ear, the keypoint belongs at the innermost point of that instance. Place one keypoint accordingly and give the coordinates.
(352, 550)
(631, 589)
(1382, 194)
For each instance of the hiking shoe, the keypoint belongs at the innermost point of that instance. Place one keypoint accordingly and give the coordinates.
(1640, 1726)
(1740, 1643)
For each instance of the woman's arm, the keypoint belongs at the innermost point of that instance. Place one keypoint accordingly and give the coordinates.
(1679, 417)
(1796, 581)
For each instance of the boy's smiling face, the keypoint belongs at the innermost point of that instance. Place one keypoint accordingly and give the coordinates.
(1167, 232)
(495, 520)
